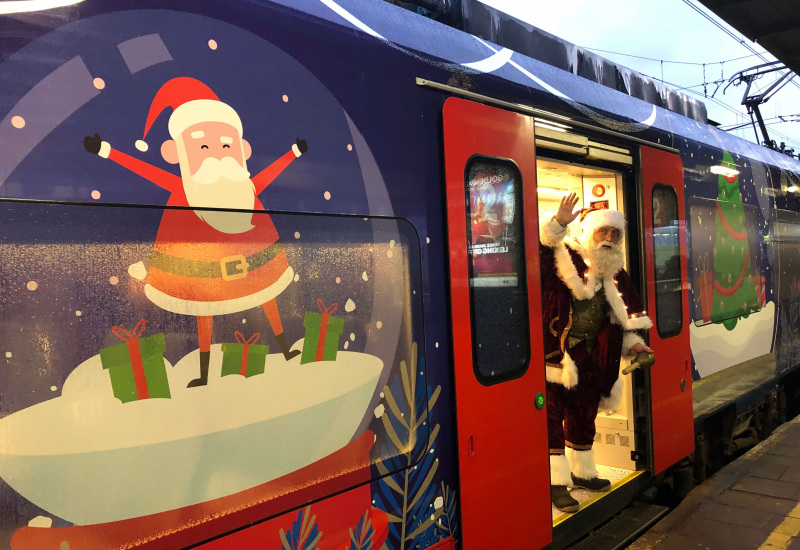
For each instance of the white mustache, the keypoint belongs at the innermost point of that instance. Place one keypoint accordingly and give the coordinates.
(213, 169)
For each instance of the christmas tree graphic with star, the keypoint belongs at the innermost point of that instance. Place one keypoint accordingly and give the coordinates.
(734, 287)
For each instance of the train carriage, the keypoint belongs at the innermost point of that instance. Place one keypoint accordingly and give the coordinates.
(270, 278)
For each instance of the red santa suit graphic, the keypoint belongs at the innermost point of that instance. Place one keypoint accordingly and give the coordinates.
(210, 262)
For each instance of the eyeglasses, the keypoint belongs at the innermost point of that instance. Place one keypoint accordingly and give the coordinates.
(604, 232)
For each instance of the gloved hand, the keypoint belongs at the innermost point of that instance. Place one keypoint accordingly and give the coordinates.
(92, 143)
(302, 146)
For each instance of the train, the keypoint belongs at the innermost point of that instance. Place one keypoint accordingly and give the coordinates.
(269, 278)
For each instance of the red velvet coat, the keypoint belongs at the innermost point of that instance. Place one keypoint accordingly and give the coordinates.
(565, 278)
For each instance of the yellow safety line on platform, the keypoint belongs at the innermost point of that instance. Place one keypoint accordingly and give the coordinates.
(782, 535)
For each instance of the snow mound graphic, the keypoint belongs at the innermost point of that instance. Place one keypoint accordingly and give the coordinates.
(88, 458)
(716, 348)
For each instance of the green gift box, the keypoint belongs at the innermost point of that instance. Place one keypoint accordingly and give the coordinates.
(322, 334)
(245, 358)
(136, 368)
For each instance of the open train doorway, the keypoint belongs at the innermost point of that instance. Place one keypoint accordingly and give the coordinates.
(596, 187)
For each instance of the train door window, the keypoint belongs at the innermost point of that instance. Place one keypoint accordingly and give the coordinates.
(667, 261)
(498, 288)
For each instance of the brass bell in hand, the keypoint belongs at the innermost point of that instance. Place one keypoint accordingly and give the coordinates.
(645, 359)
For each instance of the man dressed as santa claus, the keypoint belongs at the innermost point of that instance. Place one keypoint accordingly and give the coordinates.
(591, 314)
(210, 262)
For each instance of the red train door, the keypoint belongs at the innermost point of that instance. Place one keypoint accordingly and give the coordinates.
(668, 305)
(490, 166)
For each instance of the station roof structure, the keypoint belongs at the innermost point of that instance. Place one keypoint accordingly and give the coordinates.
(773, 24)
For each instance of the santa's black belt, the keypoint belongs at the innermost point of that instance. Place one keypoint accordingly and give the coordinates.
(228, 268)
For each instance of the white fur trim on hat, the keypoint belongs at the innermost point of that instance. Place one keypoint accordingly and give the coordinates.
(142, 145)
(602, 218)
(202, 110)
(559, 471)
(582, 463)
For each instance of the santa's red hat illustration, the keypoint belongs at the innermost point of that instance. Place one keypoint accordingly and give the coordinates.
(192, 102)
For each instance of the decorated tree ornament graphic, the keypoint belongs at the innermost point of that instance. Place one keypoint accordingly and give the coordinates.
(734, 291)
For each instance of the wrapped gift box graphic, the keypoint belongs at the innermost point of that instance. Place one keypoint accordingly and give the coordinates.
(245, 358)
(705, 287)
(136, 368)
(322, 334)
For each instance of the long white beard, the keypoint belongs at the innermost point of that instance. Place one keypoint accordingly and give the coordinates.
(604, 261)
(221, 183)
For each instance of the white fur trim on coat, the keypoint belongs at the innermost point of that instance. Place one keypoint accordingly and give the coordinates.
(551, 233)
(222, 307)
(567, 375)
(581, 463)
(569, 275)
(630, 339)
(611, 402)
(559, 471)
(620, 315)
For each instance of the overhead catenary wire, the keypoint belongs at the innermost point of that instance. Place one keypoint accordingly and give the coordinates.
(673, 62)
(724, 29)
(728, 108)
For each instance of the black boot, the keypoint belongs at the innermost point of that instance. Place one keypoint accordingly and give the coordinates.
(205, 357)
(285, 347)
(596, 484)
(561, 499)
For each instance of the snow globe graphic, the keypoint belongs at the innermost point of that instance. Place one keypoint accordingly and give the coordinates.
(88, 456)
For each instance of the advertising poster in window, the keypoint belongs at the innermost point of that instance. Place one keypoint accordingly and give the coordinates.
(495, 238)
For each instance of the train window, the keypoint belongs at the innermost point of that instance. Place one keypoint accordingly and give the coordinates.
(498, 287)
(348, 298)
(786, 239)
(726, 254)
(667, 261)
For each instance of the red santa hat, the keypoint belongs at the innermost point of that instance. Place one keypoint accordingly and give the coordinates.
(192, 102)
(593, 219)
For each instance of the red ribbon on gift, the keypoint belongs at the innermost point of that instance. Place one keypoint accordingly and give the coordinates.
(245, 349)
(323, 327)
(132, 339)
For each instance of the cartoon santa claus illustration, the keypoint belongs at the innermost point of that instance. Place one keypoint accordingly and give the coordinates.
(210, 262)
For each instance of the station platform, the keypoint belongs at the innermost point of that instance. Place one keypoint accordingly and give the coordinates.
(752, 503)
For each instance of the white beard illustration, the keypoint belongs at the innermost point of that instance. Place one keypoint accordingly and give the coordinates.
(221, 183)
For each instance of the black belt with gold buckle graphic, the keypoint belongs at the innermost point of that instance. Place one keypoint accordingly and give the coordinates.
(229, 268)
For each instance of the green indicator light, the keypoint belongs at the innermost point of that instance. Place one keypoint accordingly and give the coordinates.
(539, 400)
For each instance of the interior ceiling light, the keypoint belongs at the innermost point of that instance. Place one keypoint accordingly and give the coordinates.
(552, 192)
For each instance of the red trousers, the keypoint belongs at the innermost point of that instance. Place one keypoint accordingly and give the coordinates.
(571, 412)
